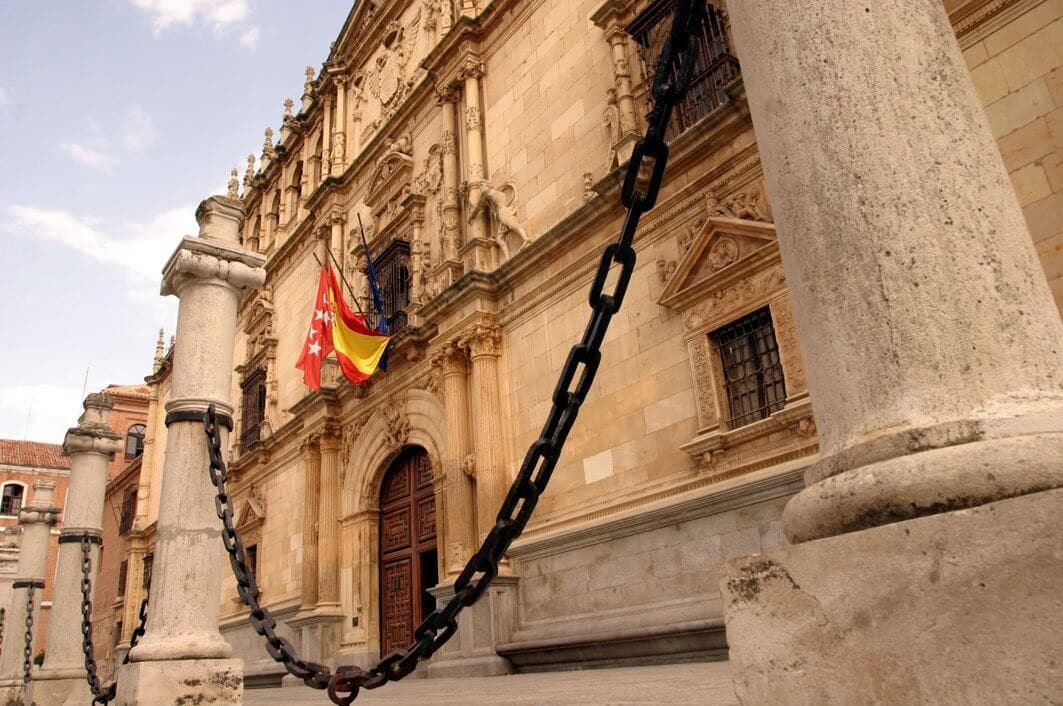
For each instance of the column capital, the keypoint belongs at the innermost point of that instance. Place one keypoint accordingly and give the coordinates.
(472, 67)
(446, 93)
(483, 340)
(92, 435)
(199, 259)
(310, 446)
(42, 509)
(452, 358)
(611, 15)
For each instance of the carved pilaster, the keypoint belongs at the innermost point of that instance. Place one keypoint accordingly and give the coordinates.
(311, 452)
(450, 267)
(328, 518)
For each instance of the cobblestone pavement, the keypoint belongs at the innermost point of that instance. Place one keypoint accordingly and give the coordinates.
(674, 684)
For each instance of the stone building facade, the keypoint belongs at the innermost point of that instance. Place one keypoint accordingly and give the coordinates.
(21, 464)
(480, 144)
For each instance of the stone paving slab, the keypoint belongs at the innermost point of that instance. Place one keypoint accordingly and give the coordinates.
(674, 684)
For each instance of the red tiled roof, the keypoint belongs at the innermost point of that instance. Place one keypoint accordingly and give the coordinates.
(32, 453)
(128, 390)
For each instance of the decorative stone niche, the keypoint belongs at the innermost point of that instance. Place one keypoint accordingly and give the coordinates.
(730, 268)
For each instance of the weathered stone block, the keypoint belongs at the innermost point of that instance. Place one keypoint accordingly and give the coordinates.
(962, 607)
(181, 682)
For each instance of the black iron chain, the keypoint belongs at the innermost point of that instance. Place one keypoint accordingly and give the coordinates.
(100, 695)
(649, 157)
(27, 650)
(3, 617)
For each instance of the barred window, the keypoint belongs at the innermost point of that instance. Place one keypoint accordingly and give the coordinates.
(393, 272)
(123, 572)
(715, 66)
(752, 371)
(253, 390)
(12, 498)
(129, 509)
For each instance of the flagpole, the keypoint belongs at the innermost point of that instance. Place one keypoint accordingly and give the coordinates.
(349, 288)
(373, 284)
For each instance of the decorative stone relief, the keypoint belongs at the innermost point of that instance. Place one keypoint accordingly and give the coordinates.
(468, 466)
(397, 424)
(789, 351)
(722, 253)
(743, 205)
(391, 77)
(758, 285)
(431, 178)
(665, 269)
(483, 339)
(589, 194)
(500, 203)
(700, 350)
(473, 121)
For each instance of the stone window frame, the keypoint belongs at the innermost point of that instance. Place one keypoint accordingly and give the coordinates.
(730, 414)
(135, 434)
(21, 496)
(129, 509)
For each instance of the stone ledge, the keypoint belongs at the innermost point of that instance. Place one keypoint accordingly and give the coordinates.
(960, 607)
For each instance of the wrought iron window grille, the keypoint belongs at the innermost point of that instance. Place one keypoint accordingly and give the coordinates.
(752, 370)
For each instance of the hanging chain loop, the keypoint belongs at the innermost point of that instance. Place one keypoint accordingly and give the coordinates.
(100, 695)
(650, 154)
(27, 650)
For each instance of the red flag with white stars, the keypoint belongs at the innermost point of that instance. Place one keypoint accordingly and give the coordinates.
(318, 343)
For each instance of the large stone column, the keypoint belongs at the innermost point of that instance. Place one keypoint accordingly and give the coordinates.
(935, 364)
(91, 446)
(311, 498)
(36, 520)
(183, 655)
(328, 522)
(460, 519)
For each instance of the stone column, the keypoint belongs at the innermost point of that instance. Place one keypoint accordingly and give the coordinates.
(339, 137)
(183, 655)
(36, 519)
(477, 252)
(935, 362)
(460, 520)
(311, 500)
(328, 522)
(415, 203)
(91, 446)
(619, 45)
(450, 267)
(487, 465)
(336, 220)
(326, 140)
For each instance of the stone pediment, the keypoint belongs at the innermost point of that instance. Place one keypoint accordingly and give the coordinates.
(720, 251)
(251, 511)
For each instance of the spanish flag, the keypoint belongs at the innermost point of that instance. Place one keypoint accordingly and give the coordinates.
(336, 326)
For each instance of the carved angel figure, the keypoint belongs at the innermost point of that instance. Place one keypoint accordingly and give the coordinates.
(500, 203)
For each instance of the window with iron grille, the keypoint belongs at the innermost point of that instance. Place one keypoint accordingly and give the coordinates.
(393, 277)
(129, 509)
(252, 561)
(752, 372)
(123, 572)
(715, 66)
(253, 392)
(149, 564)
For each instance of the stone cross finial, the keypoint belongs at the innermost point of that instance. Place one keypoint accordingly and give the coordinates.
(288, 105)
(234, 185)
(249, 174)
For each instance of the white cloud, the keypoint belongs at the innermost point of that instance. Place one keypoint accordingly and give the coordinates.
(97, 159)
(217, 13)
(138, 130)
(140, 249)
(249, 37)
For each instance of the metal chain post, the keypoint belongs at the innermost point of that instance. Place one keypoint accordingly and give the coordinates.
(670, 83)
(100, 696)
(27, 651)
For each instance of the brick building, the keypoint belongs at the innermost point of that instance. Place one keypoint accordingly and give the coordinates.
(481, 144)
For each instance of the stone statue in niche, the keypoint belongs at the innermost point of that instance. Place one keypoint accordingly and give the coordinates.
(500, 203)
(612, 125)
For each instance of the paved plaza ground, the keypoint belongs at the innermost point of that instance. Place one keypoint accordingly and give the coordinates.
(675, 684)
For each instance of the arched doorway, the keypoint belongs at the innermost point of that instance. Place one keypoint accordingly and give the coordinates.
(408, 564)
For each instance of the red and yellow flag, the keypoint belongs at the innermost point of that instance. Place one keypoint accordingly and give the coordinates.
(335, 326)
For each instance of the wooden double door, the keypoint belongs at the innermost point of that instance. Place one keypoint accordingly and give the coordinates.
(408, 558)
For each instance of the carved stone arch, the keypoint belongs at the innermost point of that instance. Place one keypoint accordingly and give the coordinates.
(411, 418)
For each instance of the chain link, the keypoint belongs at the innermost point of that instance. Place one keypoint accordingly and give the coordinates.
(3, 616)
(27, 650)
(650, 156)
(100, 695)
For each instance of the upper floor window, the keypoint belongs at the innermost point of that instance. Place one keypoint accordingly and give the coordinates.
(123, 572)
(714, 67)
(252, 561)
(129, 509)
(393, 274)
(253, 413)
(752, 370)
(134, 441)
(13, 495)
(149, 564)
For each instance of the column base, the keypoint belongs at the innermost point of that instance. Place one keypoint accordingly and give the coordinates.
(963, 606)
(193, 681)
(472, 652)
(61, 687)
(317, 637)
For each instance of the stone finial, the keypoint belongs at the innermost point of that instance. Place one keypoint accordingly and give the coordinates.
(234, 185)
(96, 406)
(43, 494)
(309, 84)
(267, 144)
(173, 341)
(249, 173)
(289, 104)
(159, 351)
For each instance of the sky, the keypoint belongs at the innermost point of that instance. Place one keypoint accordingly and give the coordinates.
(117, 117)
